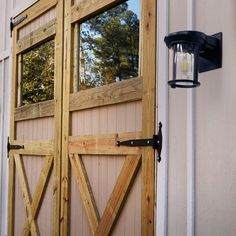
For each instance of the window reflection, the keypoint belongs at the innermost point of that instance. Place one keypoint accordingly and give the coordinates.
(109, 46)
(37, 81)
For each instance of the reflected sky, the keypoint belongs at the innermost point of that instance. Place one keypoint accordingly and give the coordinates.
(109, 46)
(134, 5)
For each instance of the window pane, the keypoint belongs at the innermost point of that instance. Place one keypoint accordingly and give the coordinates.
(37, 81)
(109, 46)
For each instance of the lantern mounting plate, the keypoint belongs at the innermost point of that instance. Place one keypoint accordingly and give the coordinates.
(210, 57)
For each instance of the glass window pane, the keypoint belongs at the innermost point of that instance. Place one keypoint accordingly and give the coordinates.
(109, 46)
(37, 81)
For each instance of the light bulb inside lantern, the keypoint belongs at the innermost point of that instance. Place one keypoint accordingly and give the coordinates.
(183, 61)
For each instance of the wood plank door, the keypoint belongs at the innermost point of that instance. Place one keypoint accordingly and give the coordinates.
(108, 95)
(34, 179)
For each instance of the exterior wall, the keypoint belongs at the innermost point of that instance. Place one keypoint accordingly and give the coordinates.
(8, 9)
(216, 126)
(201, 199)
(5, 69)
(177, 192)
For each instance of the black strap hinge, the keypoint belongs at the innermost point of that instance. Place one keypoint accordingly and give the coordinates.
(17, 22)
(10, 147)
(155, 142)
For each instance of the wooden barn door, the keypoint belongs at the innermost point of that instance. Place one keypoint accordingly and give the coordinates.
(34, 179)
(108, 96)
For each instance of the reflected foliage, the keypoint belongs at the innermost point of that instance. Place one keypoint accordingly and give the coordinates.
(109, 47)
(37, 83)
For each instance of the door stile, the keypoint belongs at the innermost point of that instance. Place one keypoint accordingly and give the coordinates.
(58, 115)
(11, 138)
(148, 71)
(64, 214)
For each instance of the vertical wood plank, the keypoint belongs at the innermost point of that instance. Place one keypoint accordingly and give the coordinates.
(76, 57)
(148, 70)
(58, 115)
(26, 194)
(11, 196)
(118, 195)
(19, 80)
(41, 185)
(64, 218)
(12, 136)
(85, 191)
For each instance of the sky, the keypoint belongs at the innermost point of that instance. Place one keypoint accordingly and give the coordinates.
(134, 5)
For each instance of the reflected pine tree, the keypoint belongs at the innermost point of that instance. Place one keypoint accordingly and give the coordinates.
(109, 47)
(37, 82)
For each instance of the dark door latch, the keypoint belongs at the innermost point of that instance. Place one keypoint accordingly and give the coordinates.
(10, 147)
(155, 142)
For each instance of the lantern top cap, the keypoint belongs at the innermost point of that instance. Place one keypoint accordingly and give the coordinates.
(182, 37)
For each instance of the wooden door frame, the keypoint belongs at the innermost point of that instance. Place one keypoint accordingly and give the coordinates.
(47, 148)
(148, 75)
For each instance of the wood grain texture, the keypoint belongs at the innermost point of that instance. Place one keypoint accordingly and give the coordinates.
(11, 195)
(34, 147)
(38, 36)
(87, 112)
(125, 91)
(148, 70)
(38, 195)
(36, 23)
(34, 111)
(35, 11)
(86, 193)
(75, 42)
(117, 118)
(19, 71)
(26, 194)
(102, 144)
(59, 57)
(89, 8)
(118, 196)
(39, 27)
(64, 213)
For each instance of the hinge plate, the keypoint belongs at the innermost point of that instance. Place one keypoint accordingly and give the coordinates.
(13, 147)
(17, 22)
(155, 142)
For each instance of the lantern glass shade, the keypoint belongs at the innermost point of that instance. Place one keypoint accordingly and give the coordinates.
(185, 66)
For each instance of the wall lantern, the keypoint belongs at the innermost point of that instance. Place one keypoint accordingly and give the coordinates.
(193, 52)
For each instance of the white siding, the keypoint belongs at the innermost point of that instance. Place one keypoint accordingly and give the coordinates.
(177, 174)
(4, 127)
(216, 126)
(205, 194)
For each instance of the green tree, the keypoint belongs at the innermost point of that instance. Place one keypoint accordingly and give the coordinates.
(109, 47)
(37, 82)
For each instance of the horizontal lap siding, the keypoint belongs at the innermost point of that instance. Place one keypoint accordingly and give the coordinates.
(177, 169)
(216, 126)
(4, 126)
